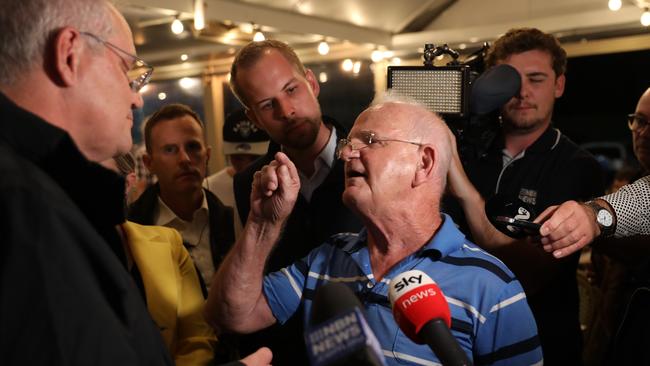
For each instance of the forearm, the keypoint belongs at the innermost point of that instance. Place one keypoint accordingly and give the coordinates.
(473, 206)
(236, 301)
(482, 230)
(631, 206)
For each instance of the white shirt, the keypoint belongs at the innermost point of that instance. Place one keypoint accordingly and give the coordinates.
(322, 166)
(221, 184)
(196, 235)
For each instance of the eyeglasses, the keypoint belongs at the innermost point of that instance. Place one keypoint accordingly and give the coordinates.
(366, 139)
(139, 72)
(636, 122)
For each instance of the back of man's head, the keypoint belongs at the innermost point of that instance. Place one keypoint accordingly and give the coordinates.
(26, 27)
(167, 112)
(251, 53)
(527, 39)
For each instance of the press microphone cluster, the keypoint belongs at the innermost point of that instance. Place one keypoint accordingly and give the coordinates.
(339, 334)
(422, 313)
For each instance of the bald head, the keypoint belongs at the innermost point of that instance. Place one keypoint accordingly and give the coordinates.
(414, 122)
(396, 161)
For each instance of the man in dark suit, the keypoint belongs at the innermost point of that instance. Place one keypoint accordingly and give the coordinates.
(177, 154)
(69, 79)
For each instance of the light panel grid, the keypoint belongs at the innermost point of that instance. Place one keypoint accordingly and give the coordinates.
(438, 90)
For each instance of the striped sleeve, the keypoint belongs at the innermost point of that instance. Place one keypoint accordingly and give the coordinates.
(509, 334)
(284, 289)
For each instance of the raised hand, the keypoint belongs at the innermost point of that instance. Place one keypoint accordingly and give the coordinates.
(275, 190)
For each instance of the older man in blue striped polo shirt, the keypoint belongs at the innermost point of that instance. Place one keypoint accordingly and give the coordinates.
(396, 161)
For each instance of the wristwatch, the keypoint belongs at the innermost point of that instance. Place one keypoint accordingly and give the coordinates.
(604, 218)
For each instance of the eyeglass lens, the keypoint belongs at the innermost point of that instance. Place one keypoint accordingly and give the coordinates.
(636, 122)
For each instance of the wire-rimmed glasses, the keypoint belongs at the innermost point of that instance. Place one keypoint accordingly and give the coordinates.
(139, 72)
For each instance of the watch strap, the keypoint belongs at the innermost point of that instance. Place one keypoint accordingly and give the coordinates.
(596, 208)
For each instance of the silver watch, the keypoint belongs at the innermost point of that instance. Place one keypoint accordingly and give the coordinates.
(604, 218)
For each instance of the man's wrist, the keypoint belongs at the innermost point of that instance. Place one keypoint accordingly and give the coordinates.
(603, 215)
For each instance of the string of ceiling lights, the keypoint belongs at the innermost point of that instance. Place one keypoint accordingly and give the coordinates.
(616, 5)
(378, 54)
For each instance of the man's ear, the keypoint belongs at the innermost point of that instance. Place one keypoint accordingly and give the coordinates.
(68, 48)
(559, 85)
(311, 79)
(424, 168)
(146, 159)
(131, 180)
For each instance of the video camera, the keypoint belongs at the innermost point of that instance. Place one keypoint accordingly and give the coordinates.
(467, 96)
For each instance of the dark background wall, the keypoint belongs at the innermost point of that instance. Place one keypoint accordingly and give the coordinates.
(600, 91)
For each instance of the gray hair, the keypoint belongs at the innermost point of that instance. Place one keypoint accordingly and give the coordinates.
(392, 96)
(27, 26)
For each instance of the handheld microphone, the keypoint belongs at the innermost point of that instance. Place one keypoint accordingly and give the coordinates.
(494, 88)
(422, 313)
(339, 334)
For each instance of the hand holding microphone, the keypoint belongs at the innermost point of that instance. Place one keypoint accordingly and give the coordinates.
(422, 313)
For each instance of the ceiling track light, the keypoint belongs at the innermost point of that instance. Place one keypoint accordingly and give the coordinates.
(199, 15)
(258, 36)
(323, 48)
(645, 17)
(377, 55)
(347, 65)
(614, 5)
(177, 26)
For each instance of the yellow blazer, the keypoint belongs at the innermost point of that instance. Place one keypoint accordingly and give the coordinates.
(174, 297)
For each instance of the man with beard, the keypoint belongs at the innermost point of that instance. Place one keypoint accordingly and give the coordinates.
(178, 156)
(534, 166)
(279, 95)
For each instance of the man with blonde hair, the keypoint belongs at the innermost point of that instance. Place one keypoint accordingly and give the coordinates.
(280, 97)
